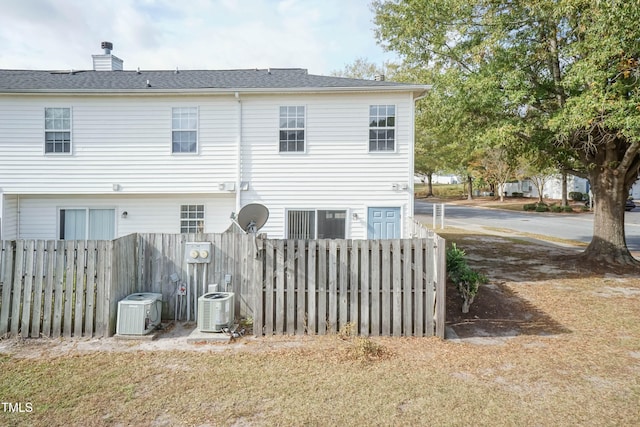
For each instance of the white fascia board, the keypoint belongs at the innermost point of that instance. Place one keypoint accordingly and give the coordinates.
(419, 89)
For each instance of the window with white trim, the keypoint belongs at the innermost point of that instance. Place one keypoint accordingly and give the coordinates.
(57, 130)
(325, 224)
(184, 130)
(85, 223)
(292, 129)
(382, 128)
(192, 219)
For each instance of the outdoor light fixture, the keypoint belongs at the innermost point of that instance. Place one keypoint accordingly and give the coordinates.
(124, 215)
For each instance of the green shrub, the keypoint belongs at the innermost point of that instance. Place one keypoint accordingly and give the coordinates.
(516, 194)
(556, 209)
(567, 208)
(466, 280)
(530, 207)
(541, 207)
(576, 196)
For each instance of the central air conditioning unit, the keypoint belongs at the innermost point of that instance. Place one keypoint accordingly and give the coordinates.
(139, 314)
(215, 311)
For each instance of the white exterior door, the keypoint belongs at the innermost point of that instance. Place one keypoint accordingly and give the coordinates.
(384, 223)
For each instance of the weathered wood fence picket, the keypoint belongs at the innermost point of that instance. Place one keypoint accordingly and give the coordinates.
(62, 288)
(379, 287)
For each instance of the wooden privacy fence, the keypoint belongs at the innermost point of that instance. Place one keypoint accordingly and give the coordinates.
(158, 256)
(378, 287)
(63, 288)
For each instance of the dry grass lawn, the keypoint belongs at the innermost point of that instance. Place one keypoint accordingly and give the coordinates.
(569, 354)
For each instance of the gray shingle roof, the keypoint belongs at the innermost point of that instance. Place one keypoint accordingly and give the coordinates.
(275, 79)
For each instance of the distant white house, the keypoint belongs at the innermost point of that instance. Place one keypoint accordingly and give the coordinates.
(102, 153)
(553, 187)
(438, 179)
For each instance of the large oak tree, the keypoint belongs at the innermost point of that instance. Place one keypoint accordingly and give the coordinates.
(560, 77)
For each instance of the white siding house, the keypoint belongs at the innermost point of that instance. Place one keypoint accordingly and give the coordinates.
(105, 152)
(553, 187)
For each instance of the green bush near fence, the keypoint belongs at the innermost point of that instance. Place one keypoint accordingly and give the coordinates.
(466, 280)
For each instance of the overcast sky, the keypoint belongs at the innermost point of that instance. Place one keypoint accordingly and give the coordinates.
(320, 35)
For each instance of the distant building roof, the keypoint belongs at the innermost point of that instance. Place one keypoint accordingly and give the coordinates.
(254, 80)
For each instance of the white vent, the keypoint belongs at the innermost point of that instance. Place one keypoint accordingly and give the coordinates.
(139, 314)
(215, 311)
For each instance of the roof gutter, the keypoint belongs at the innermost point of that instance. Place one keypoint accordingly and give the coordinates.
(222, 91)
(423, 94)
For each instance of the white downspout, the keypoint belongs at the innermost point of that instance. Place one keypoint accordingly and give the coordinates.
(18, 217)
(412, 155)
(239, 156)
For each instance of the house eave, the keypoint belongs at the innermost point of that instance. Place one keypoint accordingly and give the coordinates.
(417, 90)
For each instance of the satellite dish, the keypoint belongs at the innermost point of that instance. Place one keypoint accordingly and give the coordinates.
(252, 217)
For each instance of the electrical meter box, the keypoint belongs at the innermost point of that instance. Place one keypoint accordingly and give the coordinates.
(197, 252)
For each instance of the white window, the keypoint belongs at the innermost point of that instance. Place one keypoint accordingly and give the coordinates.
(184, 130)
(57, 130)
(291, 129)
(84, 223)
(382, 132)
(325, 224)
(192, 219)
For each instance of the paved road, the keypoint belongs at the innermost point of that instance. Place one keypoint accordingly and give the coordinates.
(565, 226)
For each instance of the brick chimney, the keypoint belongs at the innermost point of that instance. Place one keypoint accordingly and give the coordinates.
(106, 61)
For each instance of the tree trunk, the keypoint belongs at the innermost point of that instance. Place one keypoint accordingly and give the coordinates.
(469, 187)
(467, 300)
(565, 202)
(608, 245)
(430, 184)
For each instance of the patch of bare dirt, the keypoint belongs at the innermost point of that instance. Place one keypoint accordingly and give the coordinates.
(499, 310)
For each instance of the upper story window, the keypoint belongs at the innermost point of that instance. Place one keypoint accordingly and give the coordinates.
(57, 130)
(291, 129)
(184, 130)
(382, 127)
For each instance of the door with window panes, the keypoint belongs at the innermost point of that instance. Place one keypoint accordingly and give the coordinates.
(384, 223)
